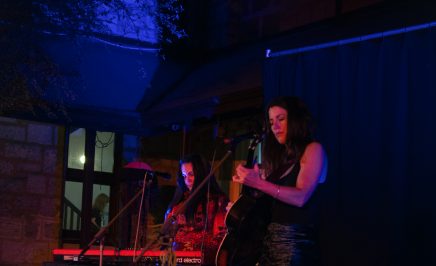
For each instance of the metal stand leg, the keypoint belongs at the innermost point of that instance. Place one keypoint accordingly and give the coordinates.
(101, 251)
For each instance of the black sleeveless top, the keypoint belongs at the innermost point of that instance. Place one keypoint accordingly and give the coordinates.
(285, 214)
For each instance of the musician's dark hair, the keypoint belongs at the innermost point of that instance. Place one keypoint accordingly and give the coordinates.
(300, 133)
(201, 168)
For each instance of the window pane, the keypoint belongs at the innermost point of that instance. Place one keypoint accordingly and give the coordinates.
(76, 149)
(104, 152)
(100, 206)
(72, 205)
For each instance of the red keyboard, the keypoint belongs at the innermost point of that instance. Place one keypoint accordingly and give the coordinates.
(183, 257)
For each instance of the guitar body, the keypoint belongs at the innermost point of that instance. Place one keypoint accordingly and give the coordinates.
(246, 223)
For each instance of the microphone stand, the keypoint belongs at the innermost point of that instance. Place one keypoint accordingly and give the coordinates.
(101, 251)
(182, 209)
(100, 234)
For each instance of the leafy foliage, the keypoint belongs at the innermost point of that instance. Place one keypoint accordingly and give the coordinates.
(26, 71)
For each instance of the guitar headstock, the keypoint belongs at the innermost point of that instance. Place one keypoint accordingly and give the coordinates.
(257, 138)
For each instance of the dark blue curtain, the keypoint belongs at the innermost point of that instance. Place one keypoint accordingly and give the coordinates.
(375, 105)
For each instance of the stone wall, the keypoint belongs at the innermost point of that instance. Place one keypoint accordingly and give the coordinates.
(31, 156)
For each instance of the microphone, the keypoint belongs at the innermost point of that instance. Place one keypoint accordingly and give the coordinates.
(157, 173)
(138, 173)
(235, 140)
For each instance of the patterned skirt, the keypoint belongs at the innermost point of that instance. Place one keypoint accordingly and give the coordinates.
(290, 245)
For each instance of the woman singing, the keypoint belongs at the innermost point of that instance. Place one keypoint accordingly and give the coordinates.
(293, 166)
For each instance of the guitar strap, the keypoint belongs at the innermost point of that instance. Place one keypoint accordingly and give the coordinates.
(287, 171)
(281, 172)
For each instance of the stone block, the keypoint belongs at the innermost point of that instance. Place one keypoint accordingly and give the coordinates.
(5, 210)
(31, 167)
(36, 184)
(41, 228)
(41, 134)
(12, 132)
(54, 187)
(48, 207)
(41, 251)
(50, 161)
(17, 252)
(50, 230)
(28, 205)
(6, 168)
(32, 228)
(13, 184)
(22, 151)
(11, 228)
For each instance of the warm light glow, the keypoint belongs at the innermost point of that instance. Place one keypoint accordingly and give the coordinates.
(82, 159)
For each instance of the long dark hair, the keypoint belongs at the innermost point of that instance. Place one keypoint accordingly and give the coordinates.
(100, 202)
(300, 133)
(201, 168)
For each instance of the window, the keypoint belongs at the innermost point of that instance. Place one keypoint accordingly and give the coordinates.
(87, 187)
(104, 152)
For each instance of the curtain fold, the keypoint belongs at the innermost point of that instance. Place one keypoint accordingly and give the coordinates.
(375, 105)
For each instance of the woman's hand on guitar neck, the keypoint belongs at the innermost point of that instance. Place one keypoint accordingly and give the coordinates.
(248, 177)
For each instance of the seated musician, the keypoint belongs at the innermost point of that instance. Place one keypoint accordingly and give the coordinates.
(201, 226)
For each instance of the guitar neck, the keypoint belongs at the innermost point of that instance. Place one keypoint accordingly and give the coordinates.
(247, 191)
